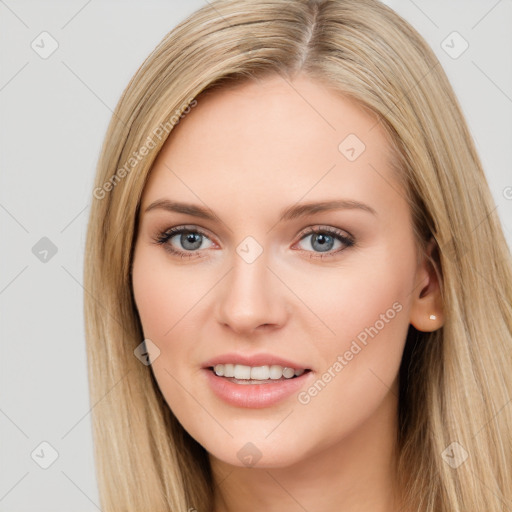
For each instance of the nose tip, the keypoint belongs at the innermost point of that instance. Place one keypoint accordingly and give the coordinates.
(250, 299)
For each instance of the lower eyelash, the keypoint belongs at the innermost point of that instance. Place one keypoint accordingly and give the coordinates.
(180, 254)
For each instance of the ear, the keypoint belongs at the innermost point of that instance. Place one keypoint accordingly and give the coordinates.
(427, 301)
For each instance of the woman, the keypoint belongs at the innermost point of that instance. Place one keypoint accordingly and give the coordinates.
(298, 291)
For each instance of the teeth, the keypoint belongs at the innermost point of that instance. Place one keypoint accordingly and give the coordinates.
(288, 373)
(229, 370)
(242, 372)
(260, 372)
(276, 371)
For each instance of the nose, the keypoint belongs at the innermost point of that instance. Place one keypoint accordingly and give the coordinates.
(252, 298)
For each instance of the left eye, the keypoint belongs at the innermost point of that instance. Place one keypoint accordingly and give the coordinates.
(326, 240)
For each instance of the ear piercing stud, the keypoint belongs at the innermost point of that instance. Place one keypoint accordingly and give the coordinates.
(433, 317)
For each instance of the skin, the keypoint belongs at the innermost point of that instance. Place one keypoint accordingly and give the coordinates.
(247, 153)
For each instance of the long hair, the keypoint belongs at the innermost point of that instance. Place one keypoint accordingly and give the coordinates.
(455, 409)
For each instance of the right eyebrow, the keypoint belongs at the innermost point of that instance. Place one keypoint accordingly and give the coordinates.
(188, 209)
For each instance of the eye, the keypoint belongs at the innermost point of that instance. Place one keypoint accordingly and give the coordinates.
(186, 242)
(183, 241)
(324, 239)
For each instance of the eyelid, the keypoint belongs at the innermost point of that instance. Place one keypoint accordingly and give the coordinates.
(319, 228)
(176, 230)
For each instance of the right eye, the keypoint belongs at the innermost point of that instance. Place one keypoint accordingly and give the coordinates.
(188, 240)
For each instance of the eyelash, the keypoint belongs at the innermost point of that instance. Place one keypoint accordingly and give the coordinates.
(164, 236)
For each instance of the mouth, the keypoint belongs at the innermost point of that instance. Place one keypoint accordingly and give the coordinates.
(255, 387)
(266, 374)
(255, 380)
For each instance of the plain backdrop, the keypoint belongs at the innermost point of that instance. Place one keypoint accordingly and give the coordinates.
(54, 113)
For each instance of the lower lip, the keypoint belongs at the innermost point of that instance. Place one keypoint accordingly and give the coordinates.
(255, 396)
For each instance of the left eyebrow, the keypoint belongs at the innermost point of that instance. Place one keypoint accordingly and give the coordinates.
(290, 213)
(301, 210)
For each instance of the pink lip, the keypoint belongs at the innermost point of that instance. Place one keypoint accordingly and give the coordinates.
(253, 360)
(255, 396)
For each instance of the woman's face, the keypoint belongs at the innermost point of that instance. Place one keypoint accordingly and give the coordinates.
(264, 278)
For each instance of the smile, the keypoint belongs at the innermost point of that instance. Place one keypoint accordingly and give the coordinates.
(256, 393)
(260, 374)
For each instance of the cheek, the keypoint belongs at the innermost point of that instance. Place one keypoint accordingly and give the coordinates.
(164, 295)
(352, 299)
(168, 297)
(373, 301)
(163, 292)
(366, 308)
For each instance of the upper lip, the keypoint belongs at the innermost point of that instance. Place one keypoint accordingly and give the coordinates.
(253, 360)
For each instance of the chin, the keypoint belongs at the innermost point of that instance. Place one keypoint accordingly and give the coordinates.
(242, 453)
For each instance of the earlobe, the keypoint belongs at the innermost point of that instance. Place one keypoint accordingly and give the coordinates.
(426, 312)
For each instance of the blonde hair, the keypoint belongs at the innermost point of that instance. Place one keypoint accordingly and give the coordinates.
(455, 383)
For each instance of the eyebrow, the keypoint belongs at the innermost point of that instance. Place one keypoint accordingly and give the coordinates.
(290, 213)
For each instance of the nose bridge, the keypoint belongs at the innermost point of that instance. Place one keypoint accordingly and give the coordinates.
(250, 296)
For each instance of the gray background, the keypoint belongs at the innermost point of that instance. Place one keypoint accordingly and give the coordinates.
(54, 113)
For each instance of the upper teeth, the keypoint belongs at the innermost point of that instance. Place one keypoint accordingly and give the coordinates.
(240, 371)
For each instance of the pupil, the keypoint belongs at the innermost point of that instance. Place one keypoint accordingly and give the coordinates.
(325, 241)
(191, 238)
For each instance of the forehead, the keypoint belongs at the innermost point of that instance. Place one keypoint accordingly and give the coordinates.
(273, 139)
